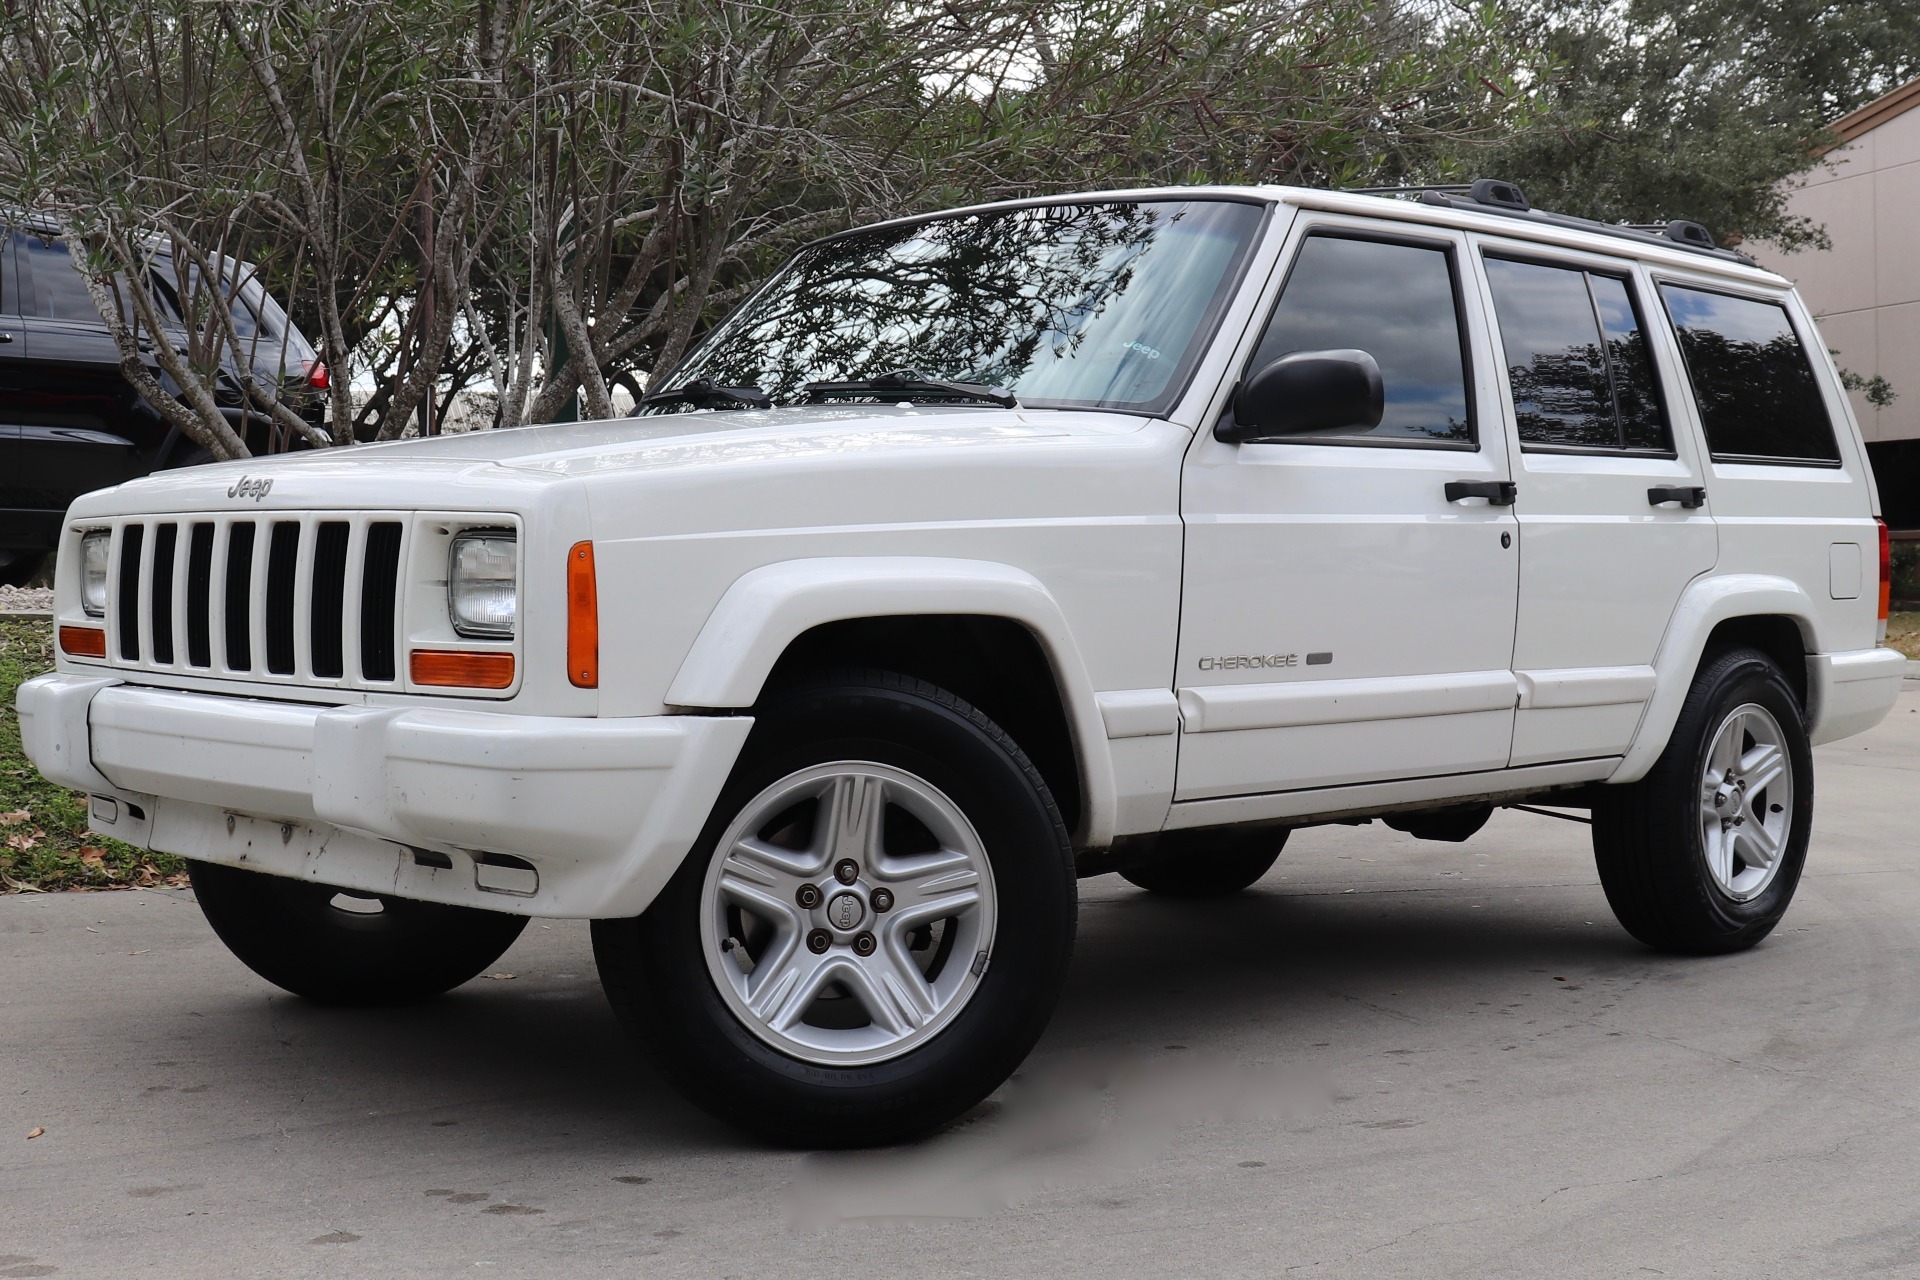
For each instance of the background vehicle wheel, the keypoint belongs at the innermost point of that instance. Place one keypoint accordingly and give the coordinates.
(1703, 854)
(18, 567)
(337, 947)
(871, 932)
(1208, 864)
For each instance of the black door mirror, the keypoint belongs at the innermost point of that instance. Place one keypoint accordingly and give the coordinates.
(1306, 392)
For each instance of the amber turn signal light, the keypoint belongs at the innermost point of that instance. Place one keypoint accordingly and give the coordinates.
(449, 668)
(83, 642)
(583, 618)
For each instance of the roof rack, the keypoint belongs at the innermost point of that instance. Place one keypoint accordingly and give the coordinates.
(1491, 195)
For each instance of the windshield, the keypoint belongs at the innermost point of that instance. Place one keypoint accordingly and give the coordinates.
(1084, 305)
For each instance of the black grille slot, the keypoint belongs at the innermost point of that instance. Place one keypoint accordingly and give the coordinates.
(165, 536)
(379, 584)
(329, 597)
(199, 594)
(127, 616)
(283, 555)
(239, 587)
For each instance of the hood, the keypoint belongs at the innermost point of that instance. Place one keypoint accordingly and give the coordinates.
(485, 468)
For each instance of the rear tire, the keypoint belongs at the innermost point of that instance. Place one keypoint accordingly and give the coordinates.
(871, 932)
(1703, 855)
(391, 951)
(1209, 864)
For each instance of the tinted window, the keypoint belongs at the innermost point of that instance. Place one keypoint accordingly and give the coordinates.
(60, 292)
(1080, 304)
(1395, 302)
(1636, 394)
(1576, 358)
(1755, 388)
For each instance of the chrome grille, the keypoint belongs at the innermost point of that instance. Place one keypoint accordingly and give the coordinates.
(281, 598)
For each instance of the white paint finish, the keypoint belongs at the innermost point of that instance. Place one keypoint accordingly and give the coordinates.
(603, 808)
(720, 536)
(1851, 692)
(1326, 755)
(1227, 708)
(1139, 713)
(49, 707)
(1381, 797)
(1352, 550)
(1544, 734)
(1844, 570)
(1585, 686)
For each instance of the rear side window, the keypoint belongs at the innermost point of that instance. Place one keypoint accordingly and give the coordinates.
(1758, 398)
(1397, 303)
(60, 292)
(1576, 359)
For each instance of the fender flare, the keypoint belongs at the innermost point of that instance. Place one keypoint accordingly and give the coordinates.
(1704, 605)
(766, 609)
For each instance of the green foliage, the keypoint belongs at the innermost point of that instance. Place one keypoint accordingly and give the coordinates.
(1698, 109)
(44, 841)
(1878, 391)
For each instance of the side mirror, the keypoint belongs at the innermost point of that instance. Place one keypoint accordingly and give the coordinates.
(1308, 391)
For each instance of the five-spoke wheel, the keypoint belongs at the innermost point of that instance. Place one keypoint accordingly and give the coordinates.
(1703, 854)
(871, 932)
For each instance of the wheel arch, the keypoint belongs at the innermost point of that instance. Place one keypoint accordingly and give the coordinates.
(1768, 613)
(944, 620)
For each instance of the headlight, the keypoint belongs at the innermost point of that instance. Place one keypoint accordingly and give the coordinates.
(482, 590)
(96, 548)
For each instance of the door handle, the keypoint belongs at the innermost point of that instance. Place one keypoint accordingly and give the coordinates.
(5, 338)
(1498, 493)
(1687, 495)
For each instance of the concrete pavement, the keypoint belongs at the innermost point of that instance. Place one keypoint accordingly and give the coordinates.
(1390, 1059)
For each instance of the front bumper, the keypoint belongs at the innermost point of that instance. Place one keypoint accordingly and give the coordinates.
(534, 815)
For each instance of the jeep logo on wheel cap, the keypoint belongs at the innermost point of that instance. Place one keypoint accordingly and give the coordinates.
(845, 911)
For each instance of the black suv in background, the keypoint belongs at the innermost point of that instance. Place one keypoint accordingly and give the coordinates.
(71, 423)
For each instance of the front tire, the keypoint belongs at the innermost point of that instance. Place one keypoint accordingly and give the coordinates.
(337, 947)
(871, 932)
(1703, 855)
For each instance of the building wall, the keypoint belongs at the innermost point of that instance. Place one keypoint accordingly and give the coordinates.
(1866, 288)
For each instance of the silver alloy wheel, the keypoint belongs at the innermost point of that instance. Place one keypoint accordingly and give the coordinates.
(1746, 802)
(848, 913)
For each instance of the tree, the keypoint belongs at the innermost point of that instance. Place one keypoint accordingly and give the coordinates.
(1698, 109)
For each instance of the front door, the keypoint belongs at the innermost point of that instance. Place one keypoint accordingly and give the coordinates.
(1614, 519)
(1346, 618)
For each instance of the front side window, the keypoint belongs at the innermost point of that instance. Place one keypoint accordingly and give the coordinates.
(1758, 398)
(1074, 305)
(1577, 359)
(1394, 301)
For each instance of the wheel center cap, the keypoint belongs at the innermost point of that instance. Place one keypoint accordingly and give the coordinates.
(846, 910)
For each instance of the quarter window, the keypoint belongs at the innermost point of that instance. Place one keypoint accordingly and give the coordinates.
(1397, 303)
(1751, 377)
(1576, 359)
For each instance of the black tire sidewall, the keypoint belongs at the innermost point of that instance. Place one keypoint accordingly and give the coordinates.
(283, 929)
(656, 965)
(1739, 680)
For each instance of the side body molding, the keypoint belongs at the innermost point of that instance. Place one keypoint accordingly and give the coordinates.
(767, 608)
(1705, 604)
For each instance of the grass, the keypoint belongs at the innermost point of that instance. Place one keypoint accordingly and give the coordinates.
(1903, 631)
(44, 841)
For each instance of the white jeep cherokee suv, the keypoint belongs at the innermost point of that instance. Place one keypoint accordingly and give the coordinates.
(1119, 532)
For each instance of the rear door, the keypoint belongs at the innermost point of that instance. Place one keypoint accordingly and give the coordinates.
(1614, 512)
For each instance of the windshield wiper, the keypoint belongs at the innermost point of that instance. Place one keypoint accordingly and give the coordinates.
(909, 384)
(701, 393)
